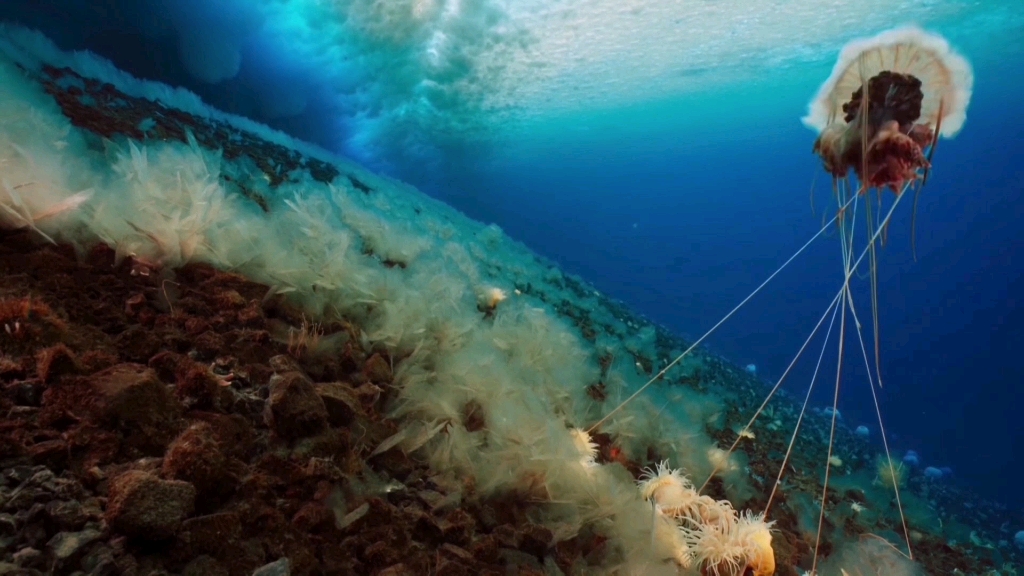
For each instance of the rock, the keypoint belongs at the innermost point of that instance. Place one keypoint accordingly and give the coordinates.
(65, 545)
(100, 561)
(251, 316)
(138, 344)
(236, 435)
(8, 525)
(377, 370)
(426, 529)
(281, 567)
(126, 397)
(535, 539)
(210, 534)
(27, 557)
(331, 443)
(230, 299)
(293, 409)
(167, 364)
(521, 562)
(68, 515)
(19, 474)
(28, 394)
(397, 570)
(196, 457)
(49, 453)
(341, 403)
(142, 505)
(208, 345)
(197, 388)
(313, 518)
(8, 569)
(457, 527)
(54, 362)
(204, 566)
(486, 549)
(283, 363)
(506, 535)
(382, 553)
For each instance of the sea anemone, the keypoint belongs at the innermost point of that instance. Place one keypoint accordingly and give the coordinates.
(737, 547)
(675, 496)
(890, 474)
(587, 448)
(667, 487)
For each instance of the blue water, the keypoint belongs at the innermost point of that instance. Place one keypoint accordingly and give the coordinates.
(677, 203)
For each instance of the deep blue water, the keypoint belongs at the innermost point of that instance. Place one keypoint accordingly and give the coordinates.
(681, 207)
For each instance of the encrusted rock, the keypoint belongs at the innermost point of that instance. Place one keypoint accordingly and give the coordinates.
(196, 457)
(340, 401)
(377, 370)
(535, 539)
(127, 397)
(210, 534)
(142, 505)
(294, 410)
(54, 362)
(457, 527)
(283, 363)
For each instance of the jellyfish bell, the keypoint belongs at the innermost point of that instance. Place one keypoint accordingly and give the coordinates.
(885, 104)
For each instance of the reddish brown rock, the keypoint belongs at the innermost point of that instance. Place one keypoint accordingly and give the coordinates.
(535, 539)
(377, 370)
(127, 397)
(198, 388)
(54, 362)
(143, 506)
(341, 402)
(196, 457)
(230, 299)
(293, 409)
(236, 435)
(210, 534)
(168, 364)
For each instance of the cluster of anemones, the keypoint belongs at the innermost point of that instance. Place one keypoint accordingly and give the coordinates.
(706, 532)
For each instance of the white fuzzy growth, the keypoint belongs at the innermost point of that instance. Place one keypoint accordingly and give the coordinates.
(946, 76)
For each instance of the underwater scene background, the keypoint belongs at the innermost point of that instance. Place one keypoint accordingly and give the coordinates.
(644, 168)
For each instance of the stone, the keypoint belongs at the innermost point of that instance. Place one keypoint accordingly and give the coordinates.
(294, 410)
(141, 505)
(126, 397)
(341, 403)
(65, 545)
(196, 457)
(280, 567)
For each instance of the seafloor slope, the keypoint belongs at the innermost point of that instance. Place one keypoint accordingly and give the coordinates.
(222, 349)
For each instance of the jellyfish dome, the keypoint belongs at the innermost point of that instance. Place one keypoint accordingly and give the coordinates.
(886, 102)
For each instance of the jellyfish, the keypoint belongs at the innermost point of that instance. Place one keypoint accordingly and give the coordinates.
(881, 112)
(879, 117)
